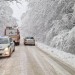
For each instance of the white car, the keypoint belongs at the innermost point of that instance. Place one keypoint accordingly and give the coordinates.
(29, 41)
(7, 46)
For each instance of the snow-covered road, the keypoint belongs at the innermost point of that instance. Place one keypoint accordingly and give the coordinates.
(30, 60)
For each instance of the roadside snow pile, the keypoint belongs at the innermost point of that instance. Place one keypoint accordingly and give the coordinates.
(67, 57)
(65, 41)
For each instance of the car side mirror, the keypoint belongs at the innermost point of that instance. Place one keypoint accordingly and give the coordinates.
(11, 42)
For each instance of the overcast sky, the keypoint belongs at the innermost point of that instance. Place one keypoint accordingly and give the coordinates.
(18, 9)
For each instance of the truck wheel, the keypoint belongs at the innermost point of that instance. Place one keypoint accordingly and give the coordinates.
(18, 43)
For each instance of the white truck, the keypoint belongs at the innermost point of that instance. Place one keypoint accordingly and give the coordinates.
(13, 33)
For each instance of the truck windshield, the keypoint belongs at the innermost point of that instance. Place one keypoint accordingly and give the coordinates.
(12, 32)
(3, 40)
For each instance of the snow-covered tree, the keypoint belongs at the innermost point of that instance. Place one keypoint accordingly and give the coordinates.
(6, 18)
(48, 19)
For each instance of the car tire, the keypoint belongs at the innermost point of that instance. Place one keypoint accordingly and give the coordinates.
(24, 44)
(14, 49)
(9, 53)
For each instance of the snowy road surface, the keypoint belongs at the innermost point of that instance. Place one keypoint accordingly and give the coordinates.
(30, 60)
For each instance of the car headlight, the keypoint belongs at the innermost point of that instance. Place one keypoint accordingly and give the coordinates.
(6, 49)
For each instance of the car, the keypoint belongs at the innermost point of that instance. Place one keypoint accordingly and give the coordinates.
(29, 41)
(7, 46)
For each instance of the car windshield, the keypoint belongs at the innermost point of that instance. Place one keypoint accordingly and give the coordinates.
(29, 38)
(3, 40)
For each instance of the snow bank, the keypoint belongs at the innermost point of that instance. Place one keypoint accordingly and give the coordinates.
(67, 57)
(65, 41)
